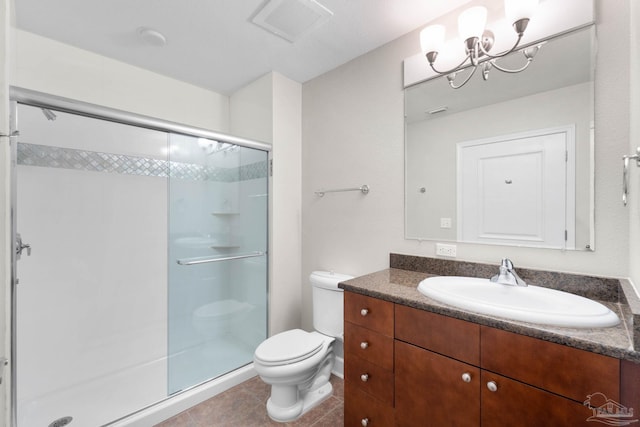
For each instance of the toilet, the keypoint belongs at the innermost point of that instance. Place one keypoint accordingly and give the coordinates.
(298, 364)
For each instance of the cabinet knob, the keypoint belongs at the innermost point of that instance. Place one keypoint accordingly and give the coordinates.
(492, 386)
(364, 312)
(466, 377)
(365, 422)
(364, 345)
(364, 377)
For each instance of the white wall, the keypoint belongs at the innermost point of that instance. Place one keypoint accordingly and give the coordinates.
(269, 109)
(353, 134)
(286, 242)
(251, 110)
(56, 68)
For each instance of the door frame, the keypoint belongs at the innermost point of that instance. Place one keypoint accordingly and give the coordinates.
(13, 279)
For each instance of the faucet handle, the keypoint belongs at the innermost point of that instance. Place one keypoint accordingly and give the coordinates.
(506, 263)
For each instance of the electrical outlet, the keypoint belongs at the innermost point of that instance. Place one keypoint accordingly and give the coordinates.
(445, 222)
(446, 250)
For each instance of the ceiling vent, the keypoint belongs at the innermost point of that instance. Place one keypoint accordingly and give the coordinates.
(291, 19)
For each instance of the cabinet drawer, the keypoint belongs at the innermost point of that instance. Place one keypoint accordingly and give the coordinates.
(368, 345)
(370, 378)
(368, 312)
(362, 409)
(560, 369)
(516, 404)
(445, 335)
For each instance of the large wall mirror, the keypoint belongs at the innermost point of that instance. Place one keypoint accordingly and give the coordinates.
(509, 160)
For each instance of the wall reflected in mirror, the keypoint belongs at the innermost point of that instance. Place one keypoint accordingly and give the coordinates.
(509, 160)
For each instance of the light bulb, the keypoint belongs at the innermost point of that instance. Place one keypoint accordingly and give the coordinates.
(471, 22)
(432, 38)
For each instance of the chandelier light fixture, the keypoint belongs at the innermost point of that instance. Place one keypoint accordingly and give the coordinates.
(478, 40)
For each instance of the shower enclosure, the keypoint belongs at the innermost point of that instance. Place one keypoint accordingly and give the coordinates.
(147, 272)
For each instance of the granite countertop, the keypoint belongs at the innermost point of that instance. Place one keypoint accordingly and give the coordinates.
(400, 286)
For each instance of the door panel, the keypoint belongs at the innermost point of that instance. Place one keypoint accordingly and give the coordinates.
(514, 191)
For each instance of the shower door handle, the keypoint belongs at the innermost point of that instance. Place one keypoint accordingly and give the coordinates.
(21, 247)
(205, 260)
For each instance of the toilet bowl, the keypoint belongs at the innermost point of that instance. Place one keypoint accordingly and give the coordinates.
(299, 378)
(298, 364)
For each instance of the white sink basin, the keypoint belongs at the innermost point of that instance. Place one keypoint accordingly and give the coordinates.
(532, 304)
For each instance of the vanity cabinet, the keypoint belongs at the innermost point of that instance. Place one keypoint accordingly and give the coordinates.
(445, 371)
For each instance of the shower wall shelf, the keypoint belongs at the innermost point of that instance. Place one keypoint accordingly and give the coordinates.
(224, 213)
(364, 189)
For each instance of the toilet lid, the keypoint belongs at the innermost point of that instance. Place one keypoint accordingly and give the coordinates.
(288, 347)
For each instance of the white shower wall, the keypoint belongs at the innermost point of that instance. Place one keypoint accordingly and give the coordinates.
(92, 296)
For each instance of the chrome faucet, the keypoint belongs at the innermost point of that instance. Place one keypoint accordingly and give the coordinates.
(508, 275)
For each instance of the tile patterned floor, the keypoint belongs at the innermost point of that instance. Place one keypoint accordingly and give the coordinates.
(244, 406)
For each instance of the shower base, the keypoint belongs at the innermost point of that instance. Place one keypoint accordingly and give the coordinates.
(140, 391)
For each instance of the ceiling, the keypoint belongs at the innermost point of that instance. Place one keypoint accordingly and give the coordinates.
(214, 44)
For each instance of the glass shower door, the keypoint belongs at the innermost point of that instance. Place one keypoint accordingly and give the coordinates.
(217, 292)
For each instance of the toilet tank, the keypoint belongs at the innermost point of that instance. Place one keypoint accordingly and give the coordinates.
(327, 302)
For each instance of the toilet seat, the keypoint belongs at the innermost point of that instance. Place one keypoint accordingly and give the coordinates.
(288, 347)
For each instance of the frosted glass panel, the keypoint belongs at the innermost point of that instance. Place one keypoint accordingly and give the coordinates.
(217, 308)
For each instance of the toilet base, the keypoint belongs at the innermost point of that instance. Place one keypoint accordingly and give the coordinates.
(308, 400)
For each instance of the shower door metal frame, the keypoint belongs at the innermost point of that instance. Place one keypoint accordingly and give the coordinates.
(33, 98)
(13, 162)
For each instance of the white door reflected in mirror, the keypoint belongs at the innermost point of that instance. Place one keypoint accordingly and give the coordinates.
(518, 189)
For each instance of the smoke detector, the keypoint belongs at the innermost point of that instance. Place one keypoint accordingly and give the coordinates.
(152, 37)
(291, 19)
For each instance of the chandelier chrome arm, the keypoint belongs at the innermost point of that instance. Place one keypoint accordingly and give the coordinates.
(488, 39)
(528, 53)
(486, 53)
(452, 76)
(431, 58)
(507, 70)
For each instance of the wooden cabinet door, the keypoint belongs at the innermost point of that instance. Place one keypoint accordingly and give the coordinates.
(513, 403)
(431, 391)
(554, 367)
